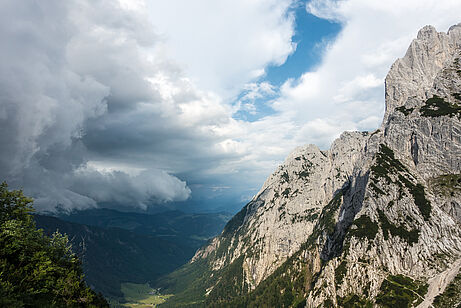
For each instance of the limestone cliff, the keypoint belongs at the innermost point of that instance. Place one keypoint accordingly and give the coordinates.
(374, 221)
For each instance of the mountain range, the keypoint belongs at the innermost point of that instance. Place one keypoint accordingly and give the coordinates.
(372, 222)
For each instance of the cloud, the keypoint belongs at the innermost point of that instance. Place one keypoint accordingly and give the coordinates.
(257, 90)
(94, 108)
(224, 44)
(147, 187)
(43, 102)
(63, 66)
(346, 90)
(252, 94)
(131, 102)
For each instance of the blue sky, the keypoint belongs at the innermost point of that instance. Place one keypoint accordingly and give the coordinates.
(141, 104)
(310, 36)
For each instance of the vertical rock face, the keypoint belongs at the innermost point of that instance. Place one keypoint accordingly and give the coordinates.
(372, 221)
(284, 212)
(413, 75)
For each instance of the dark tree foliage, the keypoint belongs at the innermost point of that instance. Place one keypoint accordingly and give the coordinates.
(437, 107)
(36, 270)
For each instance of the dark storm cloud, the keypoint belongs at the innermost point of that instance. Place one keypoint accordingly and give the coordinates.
(93, 110)
(63, 65)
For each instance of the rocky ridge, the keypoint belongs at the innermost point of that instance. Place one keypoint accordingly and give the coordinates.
(371, 222)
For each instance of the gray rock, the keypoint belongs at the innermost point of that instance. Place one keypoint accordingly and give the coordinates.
(404, 177)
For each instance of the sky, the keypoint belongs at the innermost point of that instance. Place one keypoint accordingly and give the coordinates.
(146, 104)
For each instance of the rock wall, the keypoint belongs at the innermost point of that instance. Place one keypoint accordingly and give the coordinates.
(377, 208)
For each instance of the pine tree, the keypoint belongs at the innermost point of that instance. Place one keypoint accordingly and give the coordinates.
(36, 270)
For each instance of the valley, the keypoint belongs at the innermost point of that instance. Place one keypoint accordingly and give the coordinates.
(120, 248)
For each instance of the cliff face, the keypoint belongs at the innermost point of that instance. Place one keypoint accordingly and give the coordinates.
(375, 220)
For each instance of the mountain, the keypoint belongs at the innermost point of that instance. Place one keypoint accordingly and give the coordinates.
(173, 224)
(372, 222)
(119, 247)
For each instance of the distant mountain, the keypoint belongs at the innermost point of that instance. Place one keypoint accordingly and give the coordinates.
(121, 247)
(167, 224)
(375, 221)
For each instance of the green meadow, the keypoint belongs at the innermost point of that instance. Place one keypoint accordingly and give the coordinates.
(139, 296)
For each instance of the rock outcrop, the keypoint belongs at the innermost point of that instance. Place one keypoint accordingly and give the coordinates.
(371, 222)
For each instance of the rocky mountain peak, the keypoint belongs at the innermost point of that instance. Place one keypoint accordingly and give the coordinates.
(373, 221)
(413, 75)
(427, 33)
(455, 27)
